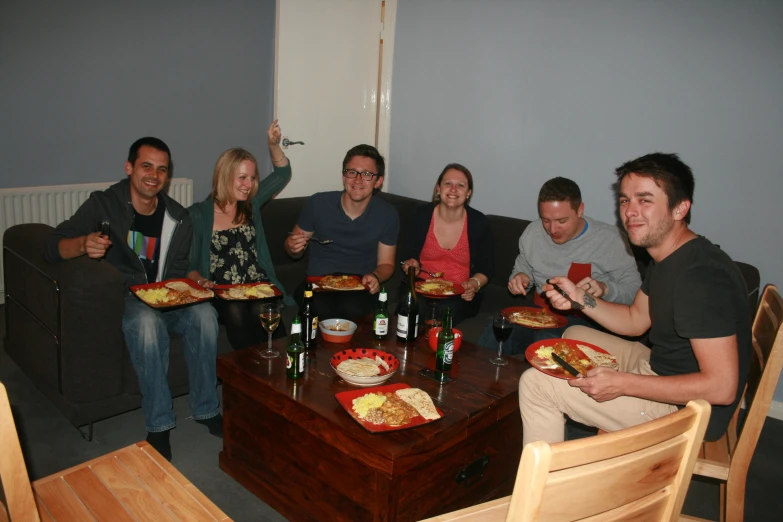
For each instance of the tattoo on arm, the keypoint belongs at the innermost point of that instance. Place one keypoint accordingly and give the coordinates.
(589, 301)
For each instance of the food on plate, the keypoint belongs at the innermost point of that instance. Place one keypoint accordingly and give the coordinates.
(435, 286)
(384, 408)
(364, 367)
(573, 356)
(363, 404)
(154, 295)
(344, 282)
(250, 292)
(540, 319)
(199, 293)
(420, 401)
(179, 286)
(606, 360)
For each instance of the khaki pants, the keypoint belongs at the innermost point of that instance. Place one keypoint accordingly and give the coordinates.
(543, 400)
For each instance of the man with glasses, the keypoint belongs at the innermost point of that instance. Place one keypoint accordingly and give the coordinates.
(363, 229)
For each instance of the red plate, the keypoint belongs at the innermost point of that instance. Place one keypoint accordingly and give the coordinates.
(561, 319)
(320, 288)
(346, 401)
(222, 291)
(554, 369)
(458, 289)
(162, 284)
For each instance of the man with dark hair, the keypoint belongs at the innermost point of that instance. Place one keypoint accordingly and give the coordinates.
(363, 229)
(149, 241)
(594, 255)
(693, 301)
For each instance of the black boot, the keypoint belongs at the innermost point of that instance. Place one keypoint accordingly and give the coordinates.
(215, 425)
(160, 441)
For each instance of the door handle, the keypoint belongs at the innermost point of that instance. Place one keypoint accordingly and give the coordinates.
(287, 142)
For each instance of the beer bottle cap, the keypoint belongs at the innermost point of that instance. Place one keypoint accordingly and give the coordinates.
(308, 293)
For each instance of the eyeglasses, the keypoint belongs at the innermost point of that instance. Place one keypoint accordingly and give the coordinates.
(351, 174)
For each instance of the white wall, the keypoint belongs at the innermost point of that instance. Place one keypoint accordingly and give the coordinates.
(522, 91)
(81, 80)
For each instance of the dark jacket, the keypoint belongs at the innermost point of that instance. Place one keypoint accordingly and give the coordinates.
(480, 241)
(114, 204)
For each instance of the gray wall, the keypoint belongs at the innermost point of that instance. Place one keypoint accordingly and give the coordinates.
(81, 80)
(522, 91)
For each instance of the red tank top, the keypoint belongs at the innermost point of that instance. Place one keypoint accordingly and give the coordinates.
(454, 263)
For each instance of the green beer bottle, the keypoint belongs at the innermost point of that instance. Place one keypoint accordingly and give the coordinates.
(380, 327)
(294, 366)
(445, 355)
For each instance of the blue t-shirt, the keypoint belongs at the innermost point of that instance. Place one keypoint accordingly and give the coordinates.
(355, 247)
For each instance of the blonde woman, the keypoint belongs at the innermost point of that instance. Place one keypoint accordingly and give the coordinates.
(229, 246)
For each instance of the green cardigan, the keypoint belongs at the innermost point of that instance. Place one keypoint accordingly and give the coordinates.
(203, 216)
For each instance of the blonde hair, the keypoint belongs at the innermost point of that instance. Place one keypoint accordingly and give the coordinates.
(223, 182)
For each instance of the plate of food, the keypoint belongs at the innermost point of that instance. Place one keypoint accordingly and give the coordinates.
(438, 288)
(247, 291)
(338, 283)
(390, 407)
(532, 317)
(174, 292)
(580, 355)
(364, 366)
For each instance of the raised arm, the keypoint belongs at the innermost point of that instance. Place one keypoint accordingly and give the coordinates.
(271, 185)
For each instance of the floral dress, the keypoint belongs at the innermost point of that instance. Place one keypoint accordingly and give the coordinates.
(233, 258)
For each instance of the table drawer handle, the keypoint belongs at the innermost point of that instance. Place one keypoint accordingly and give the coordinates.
(473, 472)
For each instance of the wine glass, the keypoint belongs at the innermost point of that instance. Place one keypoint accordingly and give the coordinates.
(502, 330)
(270, 318)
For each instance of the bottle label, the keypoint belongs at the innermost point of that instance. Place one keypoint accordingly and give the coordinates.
(402, 325)
(289, 361)
(308, 293)
(416, 327)
(301, 363)
(315, 327)
(448, 352)
(381, 326)
(296, 328)
(382, 297)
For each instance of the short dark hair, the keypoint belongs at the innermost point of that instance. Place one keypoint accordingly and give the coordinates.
(368, 151)
(155, 143)
(450, 166)
(560, 189)
(667, 171)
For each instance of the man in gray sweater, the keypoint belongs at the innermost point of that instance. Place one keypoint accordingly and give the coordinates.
(564, 242)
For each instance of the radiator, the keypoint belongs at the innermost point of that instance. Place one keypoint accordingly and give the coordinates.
(54, 204)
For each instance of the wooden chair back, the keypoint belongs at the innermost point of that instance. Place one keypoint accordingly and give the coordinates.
(639, 473)
(728, 458)
(17, 492)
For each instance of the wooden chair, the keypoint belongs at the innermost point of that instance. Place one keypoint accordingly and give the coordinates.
(134, 483)
(728, 458)
(639, 473)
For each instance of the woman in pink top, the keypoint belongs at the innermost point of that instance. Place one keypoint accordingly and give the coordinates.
(451, 237)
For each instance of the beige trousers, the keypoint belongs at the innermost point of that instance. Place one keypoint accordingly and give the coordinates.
(543, 400)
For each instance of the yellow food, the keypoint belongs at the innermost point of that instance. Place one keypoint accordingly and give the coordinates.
(154, 295)
(260, 291)
(363, 404)
(545, 352)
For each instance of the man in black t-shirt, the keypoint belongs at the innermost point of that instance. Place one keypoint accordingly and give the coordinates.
(693, 301)
(150, 241)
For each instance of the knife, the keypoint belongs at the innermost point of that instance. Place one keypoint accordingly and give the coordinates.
(567, 367)
(574, 304)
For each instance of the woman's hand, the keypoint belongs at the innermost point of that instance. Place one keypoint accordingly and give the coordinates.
(471, 287)
(273, 134)
(410, 263)
(193, 275)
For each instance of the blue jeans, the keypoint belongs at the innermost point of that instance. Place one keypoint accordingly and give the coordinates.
(522, 337)
(147, 336)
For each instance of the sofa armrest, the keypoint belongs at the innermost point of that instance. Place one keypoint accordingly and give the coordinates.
(76, 303)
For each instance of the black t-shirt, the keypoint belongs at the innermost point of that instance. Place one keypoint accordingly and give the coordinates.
(697, 293)
(144, 239)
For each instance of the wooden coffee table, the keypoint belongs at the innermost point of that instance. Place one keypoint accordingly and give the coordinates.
(297, 449)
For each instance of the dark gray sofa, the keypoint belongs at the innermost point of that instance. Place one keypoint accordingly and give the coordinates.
(63, 321)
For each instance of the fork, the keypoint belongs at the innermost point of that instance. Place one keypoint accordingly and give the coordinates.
(433, 274)
(319, 241)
